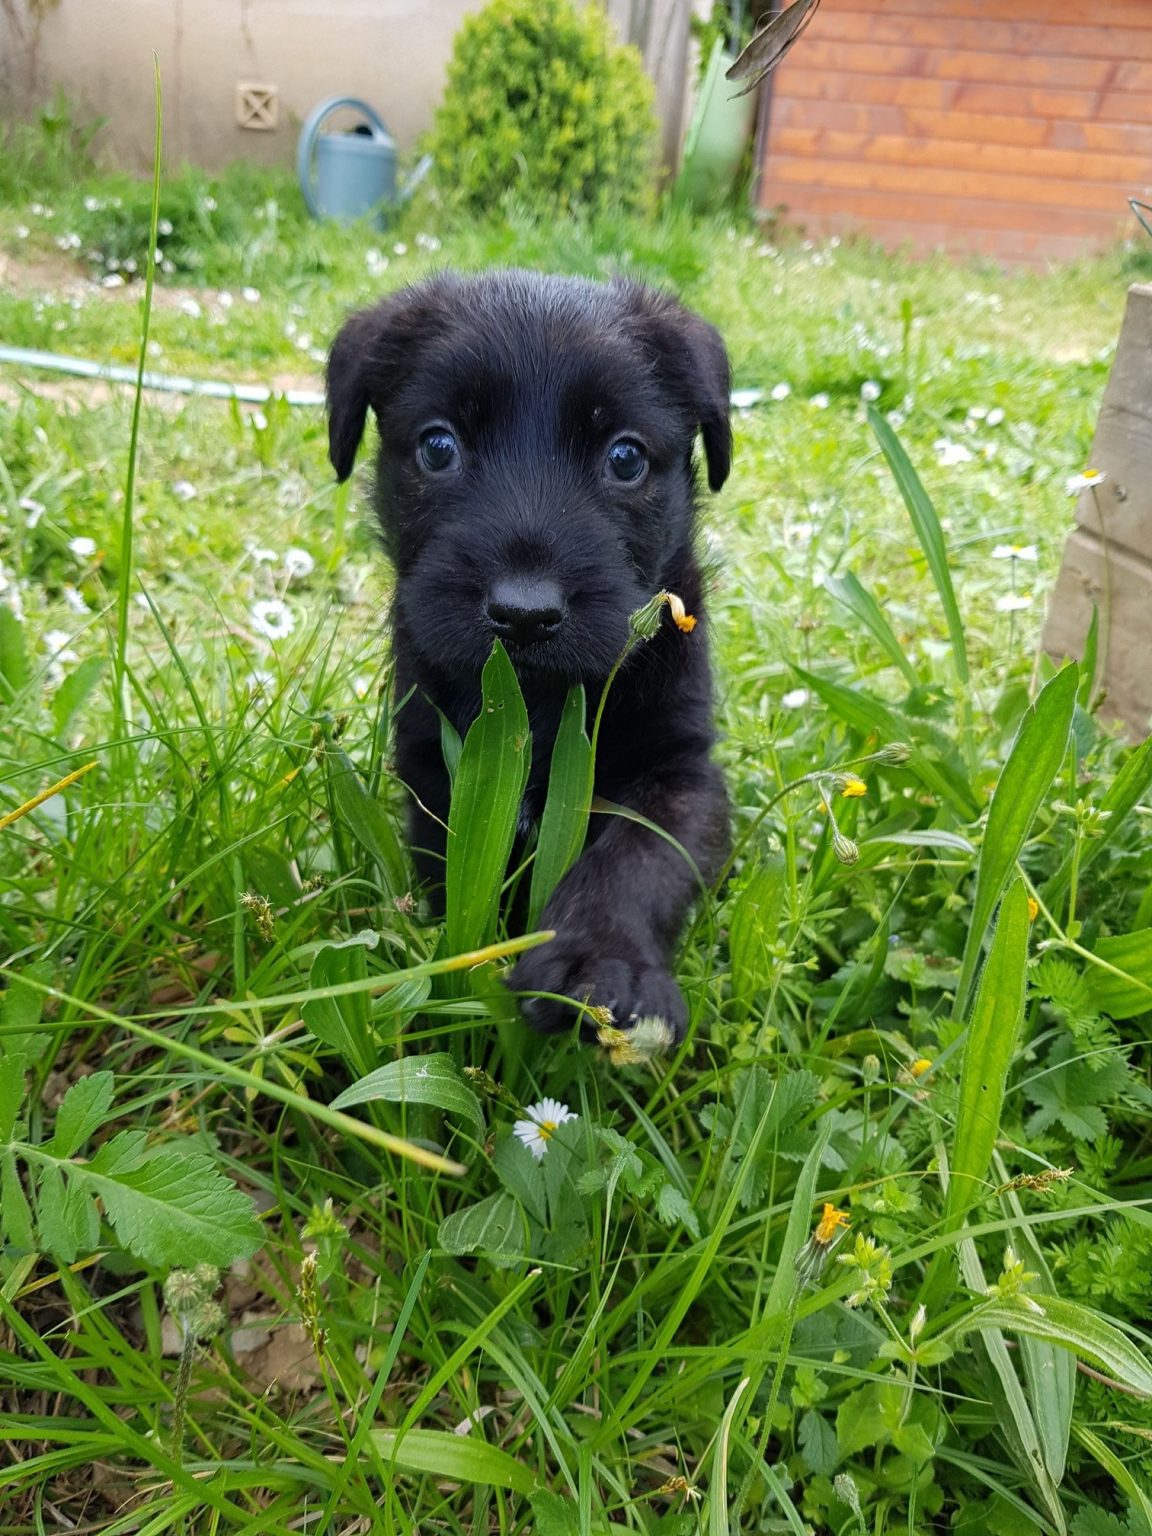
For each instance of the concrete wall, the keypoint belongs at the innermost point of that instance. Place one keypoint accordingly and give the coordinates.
(394, 53)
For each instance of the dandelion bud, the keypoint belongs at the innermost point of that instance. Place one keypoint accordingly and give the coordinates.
(646, 621)
(870, 1069)
(205, 1321)
(894, 754)
(844, 848)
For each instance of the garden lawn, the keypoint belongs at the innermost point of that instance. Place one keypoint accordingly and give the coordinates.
(737, 1290)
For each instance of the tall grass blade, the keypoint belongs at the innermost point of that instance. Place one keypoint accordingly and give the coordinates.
(718, 1524)
(1033, 763)
(854, 596)
(490, 780)
(928, 531)
(124, 585)
(564, 823)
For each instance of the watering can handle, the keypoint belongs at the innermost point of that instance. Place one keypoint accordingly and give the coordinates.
(311, 132)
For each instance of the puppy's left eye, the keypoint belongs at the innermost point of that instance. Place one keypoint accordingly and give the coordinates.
(438, 449)
(627, 460)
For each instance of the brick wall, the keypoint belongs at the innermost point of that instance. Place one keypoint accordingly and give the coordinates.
(1012, 128)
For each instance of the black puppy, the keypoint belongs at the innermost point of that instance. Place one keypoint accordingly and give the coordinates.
(535, 482)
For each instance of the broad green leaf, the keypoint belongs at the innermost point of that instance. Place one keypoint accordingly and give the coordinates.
(82, 1111)
(341, 1022)
(928, 531)
(74, 691)
(1035, 759)
(494, 1225)
(849, 591)
(1086, 1332)
(859, 1421)
(490, 780)
(932, 838)
(1127, 996)
(368, 819)
(21, 1009)
(753, 925)
(170, 1206)
(554, 1515)
(66, 1215)
(564, 823)
(990, 1044)
(433, 1079)
(818, 1444)
(454, 1458)
(12, 1090)
(1007, 1397)
(1117, 803)
(15, 1214)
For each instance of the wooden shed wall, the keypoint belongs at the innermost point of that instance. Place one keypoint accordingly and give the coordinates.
(1013, 128)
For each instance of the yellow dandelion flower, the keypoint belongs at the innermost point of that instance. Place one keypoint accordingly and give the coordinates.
(680, 616)
(850, 786)
(1033, 909)
(921, 1065)
(829, 1225)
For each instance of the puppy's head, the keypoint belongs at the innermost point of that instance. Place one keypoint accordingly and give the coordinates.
(535, 475)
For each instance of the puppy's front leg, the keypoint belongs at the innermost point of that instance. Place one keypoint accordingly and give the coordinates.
(619, 909)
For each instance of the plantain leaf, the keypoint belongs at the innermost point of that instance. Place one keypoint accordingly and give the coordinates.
(83, 1110)
(494, 1225)
(341, 1022)
(1078, 1328)
(928, 531)
(993, 1031)
(1033, 763)
(433, 1079)
(564, 824)
(490, 780)
(454, 1458)
(368, 819)
(1127, 996)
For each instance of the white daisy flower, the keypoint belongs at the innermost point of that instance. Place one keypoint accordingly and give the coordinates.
(870, 391)
(74, 600)
(250, 295)
(1077, 483)
(56, 642)
(795, 698)
(273, 619)
(113, 280)
(821, 401)
(260, 553)
(208, 204)
(427, 242)
(22, 231)
(745, 399)
(399, 249)
(83, 548)
(298, 563)
(34, 510)
(536, 1131)
(189, 307)
(781, 391)
(1015, 552)
(1013, 602)
(225, 299)
(164, 226)
(949, 454)
(994, 417)
(260, 423)
(183, 489)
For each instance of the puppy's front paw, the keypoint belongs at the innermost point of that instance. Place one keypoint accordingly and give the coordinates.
(629, 989)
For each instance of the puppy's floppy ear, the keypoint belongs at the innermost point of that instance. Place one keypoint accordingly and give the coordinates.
(692, 363)
(713, 379)
(367, 363)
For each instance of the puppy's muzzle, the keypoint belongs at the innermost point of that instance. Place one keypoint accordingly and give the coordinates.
(525, 609)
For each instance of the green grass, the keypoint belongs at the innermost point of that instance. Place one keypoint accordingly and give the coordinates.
(171, 918)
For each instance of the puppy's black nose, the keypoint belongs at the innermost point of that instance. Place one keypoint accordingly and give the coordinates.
(525, 608)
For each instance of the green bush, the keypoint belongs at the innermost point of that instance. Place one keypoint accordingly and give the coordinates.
(542, 98)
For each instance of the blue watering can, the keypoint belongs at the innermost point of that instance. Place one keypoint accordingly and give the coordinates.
(347, 176)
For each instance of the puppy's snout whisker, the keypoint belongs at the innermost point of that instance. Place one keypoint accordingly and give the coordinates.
(525, 609)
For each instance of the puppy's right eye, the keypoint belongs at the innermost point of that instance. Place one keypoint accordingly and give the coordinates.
(438, 449)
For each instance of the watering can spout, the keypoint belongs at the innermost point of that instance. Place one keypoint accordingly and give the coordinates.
(348, 176)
